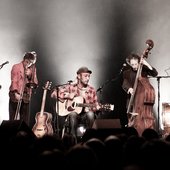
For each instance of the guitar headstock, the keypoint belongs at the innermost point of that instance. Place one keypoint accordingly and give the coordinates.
(47, 85)
(107, 107)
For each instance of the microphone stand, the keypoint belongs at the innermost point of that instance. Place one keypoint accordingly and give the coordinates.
(32, 86)
(58, 110)
(100, 89)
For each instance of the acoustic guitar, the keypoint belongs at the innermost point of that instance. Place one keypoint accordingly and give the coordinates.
(65, 107)
(43, 119)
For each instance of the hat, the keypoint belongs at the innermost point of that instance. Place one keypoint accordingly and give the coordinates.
(83, 70)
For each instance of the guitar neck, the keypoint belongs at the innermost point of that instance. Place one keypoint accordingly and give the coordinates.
(102, 106)
(43, 103)
(84, 105)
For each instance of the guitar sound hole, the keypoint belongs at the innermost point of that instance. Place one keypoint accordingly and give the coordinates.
(73, 104)
(70, 109)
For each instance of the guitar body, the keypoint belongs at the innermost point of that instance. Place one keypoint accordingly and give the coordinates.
(68, 106)
(43, 124)
(65, 107)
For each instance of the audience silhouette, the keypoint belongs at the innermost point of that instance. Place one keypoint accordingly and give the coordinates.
(121, 151)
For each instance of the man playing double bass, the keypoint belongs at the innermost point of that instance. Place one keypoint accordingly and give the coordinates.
(140, 114)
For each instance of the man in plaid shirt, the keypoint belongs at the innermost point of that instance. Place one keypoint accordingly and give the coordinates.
(84, 94)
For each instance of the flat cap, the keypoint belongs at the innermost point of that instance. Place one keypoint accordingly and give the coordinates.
(83, 70)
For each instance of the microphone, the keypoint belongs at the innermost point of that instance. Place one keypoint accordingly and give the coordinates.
(70, 81)
(29, 65)
(4, 64)
(123, 67)
(99, 89)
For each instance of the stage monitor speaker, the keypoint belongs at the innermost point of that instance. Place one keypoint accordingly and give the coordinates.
(106, 123)
(11, 128)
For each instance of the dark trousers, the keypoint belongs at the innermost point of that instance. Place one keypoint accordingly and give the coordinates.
(85, 119)
(23, 111)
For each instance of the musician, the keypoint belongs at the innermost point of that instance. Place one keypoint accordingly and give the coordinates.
(141, 115)
(23, 81)
(72, 90)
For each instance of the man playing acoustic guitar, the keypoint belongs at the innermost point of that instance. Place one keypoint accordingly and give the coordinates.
(82, 91)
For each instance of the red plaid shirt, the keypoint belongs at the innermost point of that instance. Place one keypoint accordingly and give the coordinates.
(89, 95)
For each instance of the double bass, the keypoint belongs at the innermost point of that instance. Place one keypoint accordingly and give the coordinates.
(143, 94)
